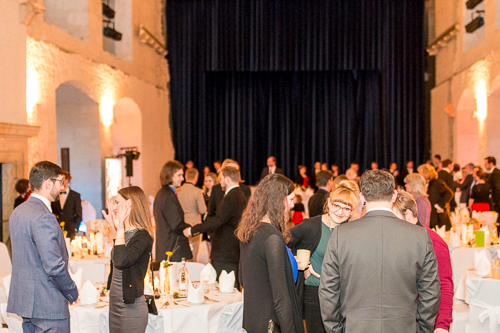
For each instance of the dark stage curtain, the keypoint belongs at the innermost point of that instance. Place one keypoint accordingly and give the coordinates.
(333, 81)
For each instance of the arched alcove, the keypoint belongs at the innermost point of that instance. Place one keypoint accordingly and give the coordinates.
(467, 129)
(127, 132)
(78, 128)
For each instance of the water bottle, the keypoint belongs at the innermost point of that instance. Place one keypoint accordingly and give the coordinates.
(183, 279)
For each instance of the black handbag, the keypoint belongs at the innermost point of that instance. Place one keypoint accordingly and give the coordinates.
(150, 299)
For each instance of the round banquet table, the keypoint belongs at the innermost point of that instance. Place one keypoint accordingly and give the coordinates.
(462, 258)
(93, 268)
(180, 318)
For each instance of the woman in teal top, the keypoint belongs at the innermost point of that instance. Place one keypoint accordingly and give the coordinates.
(313, 235)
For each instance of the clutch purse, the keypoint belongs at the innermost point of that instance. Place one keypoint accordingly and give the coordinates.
(150, 301)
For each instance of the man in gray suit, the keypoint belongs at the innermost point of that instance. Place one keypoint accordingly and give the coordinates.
(41, 286)
(379, 273)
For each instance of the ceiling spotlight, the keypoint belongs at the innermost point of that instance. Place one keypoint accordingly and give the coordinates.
(109, 32)
(109, 12)
(470, 4)
(476, 23)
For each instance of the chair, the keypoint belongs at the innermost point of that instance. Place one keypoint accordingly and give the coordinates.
(14, 322)
(488, 219)
(231, 319)
(460, 316)
(484, 306)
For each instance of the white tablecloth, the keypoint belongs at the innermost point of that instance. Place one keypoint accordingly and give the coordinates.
(93, 268)
(202, 318)
(462, 259)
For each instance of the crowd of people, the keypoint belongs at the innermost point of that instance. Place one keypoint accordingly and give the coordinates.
(375, 264)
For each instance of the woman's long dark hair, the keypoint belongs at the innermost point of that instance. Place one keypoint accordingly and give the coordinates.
(268, 199)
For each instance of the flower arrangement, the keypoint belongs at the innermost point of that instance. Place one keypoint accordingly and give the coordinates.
(62, 227)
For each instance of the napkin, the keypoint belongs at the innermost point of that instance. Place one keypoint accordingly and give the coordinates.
(226, 282)
(210, 270)
(441, 231)
(475, 215)
(455, 240)
(148, 290)
(88, 294)
(99, 238)
(77, 278)
(195, 296)
(482, 263)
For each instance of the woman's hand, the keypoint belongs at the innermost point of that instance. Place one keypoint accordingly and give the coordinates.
(123, 214)
(110, 217)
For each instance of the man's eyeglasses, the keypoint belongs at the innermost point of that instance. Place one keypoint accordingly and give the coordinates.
(346, 210)
(58, 180)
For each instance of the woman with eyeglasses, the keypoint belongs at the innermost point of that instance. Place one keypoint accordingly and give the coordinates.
(313, 235)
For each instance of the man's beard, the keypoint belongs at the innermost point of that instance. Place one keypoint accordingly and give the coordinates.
(54, 194)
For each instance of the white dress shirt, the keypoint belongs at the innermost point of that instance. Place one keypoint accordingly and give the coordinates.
(272, 170)
(379, 208)
(44, 200)
(230, 188)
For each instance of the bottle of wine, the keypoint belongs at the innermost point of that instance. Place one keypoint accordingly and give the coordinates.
(183, 279)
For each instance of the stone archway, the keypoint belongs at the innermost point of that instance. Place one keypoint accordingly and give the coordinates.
(127, 132)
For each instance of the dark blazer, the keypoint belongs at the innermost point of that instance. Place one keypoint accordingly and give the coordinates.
(41, 286)
(225, 245)
(71, 213)
(465, 189)
(447, 178)
(439, 194)
(265, 172)
(312, 180)
(379, 274)
(133, 260)
(317, 203)
(169, 218)
(267, 277)
(217, 195)
(494, 182)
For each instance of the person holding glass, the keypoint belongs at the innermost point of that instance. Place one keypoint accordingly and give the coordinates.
(268, 269)
(130, 216)
(313, 235)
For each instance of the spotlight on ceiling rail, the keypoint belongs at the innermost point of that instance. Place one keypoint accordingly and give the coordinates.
(108, 11)
(476, 22)
(110, 32)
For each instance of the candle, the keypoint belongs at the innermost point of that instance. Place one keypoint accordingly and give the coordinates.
(156, 282)
(464, 233)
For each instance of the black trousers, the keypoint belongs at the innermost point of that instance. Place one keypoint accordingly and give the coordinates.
(228, 267)
(312, 311)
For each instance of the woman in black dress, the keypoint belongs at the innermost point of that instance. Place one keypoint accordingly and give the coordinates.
(130, 216)
(267, 265)
(440, 196)
(480, 197)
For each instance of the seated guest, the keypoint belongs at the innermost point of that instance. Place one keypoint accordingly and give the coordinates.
(298, 210)
(415, 185)
(317, 202)
(268, 268)
(302, 178)
(405, 208)
(225, 254)
(193, 205)
(270, 168)
(24, 191)
(169, 216)
(130, 216)
(379, 274)
(480, 198)
(68, 208)
(439, 196)
(313, 235)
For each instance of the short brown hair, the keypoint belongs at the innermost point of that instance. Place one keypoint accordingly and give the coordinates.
(22, 186)
(140, 214)
(67, 176)
(232, 173)
(323, 177)
(481, 174)
(405, 201)
(41, 172)
(191, 173)
(168, 171)
(377, 185)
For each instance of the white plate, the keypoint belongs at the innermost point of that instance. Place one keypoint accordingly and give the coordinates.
(227, 292)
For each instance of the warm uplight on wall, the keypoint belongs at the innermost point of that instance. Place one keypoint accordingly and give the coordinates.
(106, 107)
(32, 90)
(481, 96)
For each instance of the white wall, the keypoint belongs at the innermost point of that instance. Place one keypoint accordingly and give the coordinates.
(69, 16)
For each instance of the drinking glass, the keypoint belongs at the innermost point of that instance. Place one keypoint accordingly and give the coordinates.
(205, 278)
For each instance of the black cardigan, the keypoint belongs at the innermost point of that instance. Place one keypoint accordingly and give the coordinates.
(304, 236)
(267, 277)
(133, 260)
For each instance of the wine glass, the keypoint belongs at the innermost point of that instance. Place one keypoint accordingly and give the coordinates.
(205, 278)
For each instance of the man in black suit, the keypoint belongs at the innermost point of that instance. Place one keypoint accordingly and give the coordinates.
(218, 191)
(465, 187)
(317, 202)
(270, 168)
(400, 178)
(493, 181)
(225, 254)
(400, 289)
(68, 208)
(445, 175)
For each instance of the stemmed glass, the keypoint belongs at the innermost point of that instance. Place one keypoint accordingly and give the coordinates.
(205, 278)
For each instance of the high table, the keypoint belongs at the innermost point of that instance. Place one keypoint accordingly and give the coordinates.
(174, 319)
